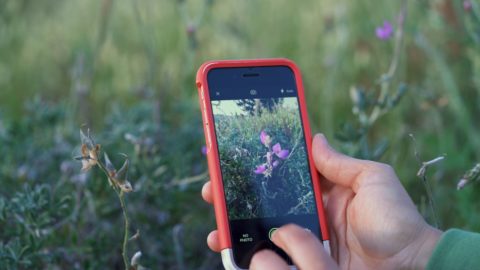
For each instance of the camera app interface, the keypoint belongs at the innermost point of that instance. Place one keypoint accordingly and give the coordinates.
(263, 158)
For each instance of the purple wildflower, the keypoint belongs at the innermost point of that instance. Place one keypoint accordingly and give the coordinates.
(265, 138)
(282, 154)
(385, 31)
(260, 169)
(204, 150)
(467, 5)
(191, 29)
(273, 156)
(277, 149)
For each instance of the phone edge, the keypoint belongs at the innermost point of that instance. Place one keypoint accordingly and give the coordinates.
(221, 214)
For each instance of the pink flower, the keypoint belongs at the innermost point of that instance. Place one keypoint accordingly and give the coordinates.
(277, 149)
(275, 163)
(260, 169)
(191, 29)
(467, 5)
(385, 31)
(282, 154)
(265, 138)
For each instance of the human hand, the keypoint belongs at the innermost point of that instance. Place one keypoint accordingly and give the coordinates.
(373, 222)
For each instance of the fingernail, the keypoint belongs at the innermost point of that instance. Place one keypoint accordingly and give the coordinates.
(320, 136)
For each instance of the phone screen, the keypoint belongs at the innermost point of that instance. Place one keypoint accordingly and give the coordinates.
(263, 156)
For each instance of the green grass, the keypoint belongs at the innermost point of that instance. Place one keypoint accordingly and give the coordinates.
(128, 67)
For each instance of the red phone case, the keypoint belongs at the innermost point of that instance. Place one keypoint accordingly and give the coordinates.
(211, 143)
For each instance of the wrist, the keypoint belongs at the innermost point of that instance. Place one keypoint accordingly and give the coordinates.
(425, 245)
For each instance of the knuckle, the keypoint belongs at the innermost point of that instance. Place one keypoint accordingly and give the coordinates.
(388, 169)
(384, 168)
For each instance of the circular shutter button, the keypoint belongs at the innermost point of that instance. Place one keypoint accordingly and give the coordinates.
(271, 232)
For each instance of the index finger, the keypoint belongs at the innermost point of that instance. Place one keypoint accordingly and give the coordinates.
(342, 169)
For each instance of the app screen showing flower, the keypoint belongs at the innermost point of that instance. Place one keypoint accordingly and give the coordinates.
(263, 158)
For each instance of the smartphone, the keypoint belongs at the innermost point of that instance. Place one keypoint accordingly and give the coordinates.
(258, 144)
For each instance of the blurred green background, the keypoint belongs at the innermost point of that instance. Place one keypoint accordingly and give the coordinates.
(126, 69)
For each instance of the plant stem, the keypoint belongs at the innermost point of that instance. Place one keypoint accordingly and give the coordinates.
(386, 78)
(121, 196)
(431, 202)
(422, 173)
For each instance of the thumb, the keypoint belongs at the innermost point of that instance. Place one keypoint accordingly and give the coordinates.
(336, 167)
(303, 247)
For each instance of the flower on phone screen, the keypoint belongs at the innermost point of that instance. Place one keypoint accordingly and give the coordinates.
(261, 169)
(274, 155)
(265, 139)
(277, 149)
